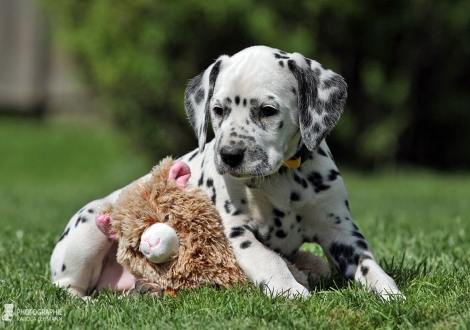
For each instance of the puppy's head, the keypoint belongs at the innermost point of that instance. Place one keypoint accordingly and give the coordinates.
(264, 105)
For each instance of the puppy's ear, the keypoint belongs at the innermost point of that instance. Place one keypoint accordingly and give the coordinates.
(197, 99)
(321, 96)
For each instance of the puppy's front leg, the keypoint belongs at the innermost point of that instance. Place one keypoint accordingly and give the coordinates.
(262, 265)
(347, 250)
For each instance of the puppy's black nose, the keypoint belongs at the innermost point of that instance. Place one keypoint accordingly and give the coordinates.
(232, 156)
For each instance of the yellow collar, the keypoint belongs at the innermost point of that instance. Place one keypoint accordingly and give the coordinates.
(293, 162)
(296, 160)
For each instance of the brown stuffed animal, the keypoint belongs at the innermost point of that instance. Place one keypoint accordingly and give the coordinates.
(171, 236)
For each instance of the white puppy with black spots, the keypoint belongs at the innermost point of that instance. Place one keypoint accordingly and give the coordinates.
(268, 171)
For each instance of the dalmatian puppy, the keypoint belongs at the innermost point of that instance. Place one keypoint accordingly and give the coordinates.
(268, 171)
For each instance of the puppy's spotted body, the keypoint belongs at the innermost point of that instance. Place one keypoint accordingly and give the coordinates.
(266, 107)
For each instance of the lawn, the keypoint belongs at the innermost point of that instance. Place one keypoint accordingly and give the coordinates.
(417, 222)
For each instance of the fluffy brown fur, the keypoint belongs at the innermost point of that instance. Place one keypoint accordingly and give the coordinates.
(205, 256)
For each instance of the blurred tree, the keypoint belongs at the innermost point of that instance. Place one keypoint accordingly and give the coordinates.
(406, 64)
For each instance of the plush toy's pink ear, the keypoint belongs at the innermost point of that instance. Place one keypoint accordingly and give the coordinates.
(180, 172)
(103, 221)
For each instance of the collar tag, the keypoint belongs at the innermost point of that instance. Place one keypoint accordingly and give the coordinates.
(293, 162)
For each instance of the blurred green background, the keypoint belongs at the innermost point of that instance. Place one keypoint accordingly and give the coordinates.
(407, 64)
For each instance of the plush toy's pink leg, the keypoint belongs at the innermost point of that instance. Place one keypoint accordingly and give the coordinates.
(180, 172)
(114, 276)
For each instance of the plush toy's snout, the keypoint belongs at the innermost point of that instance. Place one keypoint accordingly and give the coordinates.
(159, 243)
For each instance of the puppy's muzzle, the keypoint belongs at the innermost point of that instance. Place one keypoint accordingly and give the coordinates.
(232, 156)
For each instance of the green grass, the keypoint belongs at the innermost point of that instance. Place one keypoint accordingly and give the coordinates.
(417, 222)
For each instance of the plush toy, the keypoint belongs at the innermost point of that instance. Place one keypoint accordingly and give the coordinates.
(171, 235)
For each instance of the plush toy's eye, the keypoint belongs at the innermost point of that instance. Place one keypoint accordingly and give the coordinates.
(167, 218)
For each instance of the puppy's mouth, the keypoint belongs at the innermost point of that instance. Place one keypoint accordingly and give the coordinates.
(245, 172)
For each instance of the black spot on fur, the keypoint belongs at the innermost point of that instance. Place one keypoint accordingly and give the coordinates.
(210, 182)
(281, 64)
(341, 250)
(364, 257)
(214, 197)
(227, 206)
(357, 234)
(294, 196)
(278, 213)
(298, 218)
(281, 233)
(65, 233)
(344, 255)
(362, 244)
(81, 219)
(83, 209)
(364, 270)
(236, 212)
(333, 175)
(300, 181)
(277, 250)
(277, 222)
(245, 244)
(63, 267)
(201, 180)
(316, 180)
(237, 100)
(278, 56)
(293, 90)
(237, 232)
(243, 201)
(322, 152)
(194, 154)
(244, 102)
(346, 202)
(91, 211)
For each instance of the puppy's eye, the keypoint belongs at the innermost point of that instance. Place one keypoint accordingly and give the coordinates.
(167, 218)
(267, 111)
(218, 111)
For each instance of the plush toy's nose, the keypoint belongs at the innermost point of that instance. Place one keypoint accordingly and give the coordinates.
(159, 243)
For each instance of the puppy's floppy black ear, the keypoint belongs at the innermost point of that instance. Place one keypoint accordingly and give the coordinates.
(321, 98)
(197, 99)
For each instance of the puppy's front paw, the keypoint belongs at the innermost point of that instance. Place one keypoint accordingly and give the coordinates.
(294, 291)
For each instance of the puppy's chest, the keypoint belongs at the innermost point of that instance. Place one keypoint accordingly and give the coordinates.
(282, 211)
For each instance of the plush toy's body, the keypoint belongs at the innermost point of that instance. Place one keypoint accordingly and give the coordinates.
(145, 214)
(171, 235)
